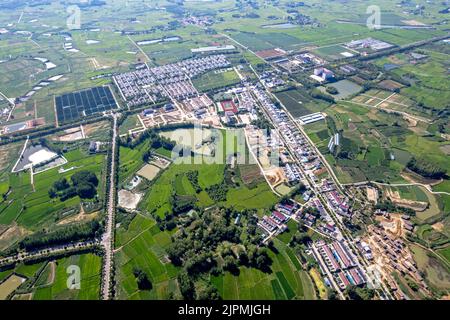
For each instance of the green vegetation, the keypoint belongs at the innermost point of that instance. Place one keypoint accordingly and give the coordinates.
(216, 80)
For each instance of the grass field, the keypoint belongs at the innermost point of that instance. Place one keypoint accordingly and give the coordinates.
(428, 79)
(214, 80)
(157, 199)
(28, 204)
(142, 245)
(445, 253)
(299, 103)
(436, 273)
(373, 139)
(90, 272)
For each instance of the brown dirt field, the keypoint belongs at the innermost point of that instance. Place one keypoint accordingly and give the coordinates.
(413, 23)
(445, 149)
(438, 226)
(250, 173)
(413, 177)
(79, 217)
(415, 205)
(92, 127)
(149, 171)
(11, 235)
(390, 85)
(352, 126)
(129, 200)
(372, 194)
(275, 176)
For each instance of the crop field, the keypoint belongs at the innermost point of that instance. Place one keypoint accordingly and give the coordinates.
(390, 110)
(210, 172)
(9, 285)
(391, 101)
(287, 280)
(445, 253)
(143, 245)
(267, 40)
(428, 79)
(28, 204)
(131, 160)
(333, 52)
(436, 272)
(56, 288)
(372, 142)
(345, 88)
(214, 80)
(299, 103)
(131, 122)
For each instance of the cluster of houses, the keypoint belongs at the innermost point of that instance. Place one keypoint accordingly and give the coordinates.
(148, 85)
(337, 259)
(292, 172)
(394, 256)
(198, 105)
(309, 160)
(321, 221)
(276, 223)
(335, 200)
(200, 21)
(271, 79)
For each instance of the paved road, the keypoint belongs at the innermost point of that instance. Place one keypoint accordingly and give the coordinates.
(50, 251)
(108, 236)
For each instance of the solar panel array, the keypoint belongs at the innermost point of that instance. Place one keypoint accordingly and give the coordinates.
(75, 105)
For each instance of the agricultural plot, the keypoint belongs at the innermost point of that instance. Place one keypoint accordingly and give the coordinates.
(142, 245)
(27, 204)
(391, 102)
(345, 89)
(157, 200)
(55, 285)
(73, 106)
(334, 52)
(215, 79)
(436, 272)
(287, 280)
(130, 123)
(365, 143)
(300, 103)
(9, 285)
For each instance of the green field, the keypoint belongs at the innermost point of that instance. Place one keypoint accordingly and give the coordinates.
(28, 204)
(215, 80)
(299, 103)
(286, 281)
(436, 272)
(142, 245)
(90, 272)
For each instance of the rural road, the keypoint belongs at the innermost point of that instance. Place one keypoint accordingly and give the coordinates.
(108, 236)
(50, 251)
